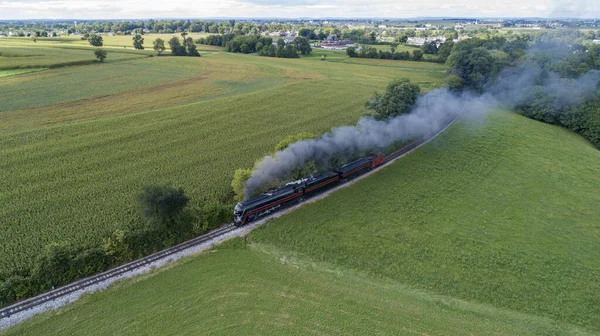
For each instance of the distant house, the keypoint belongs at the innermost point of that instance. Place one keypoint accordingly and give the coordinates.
(286, 39)
(596, 41)
(337, 45)
(3, 34)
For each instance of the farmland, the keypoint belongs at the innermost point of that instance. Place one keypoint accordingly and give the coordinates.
(82, 143)
(452, 239)
(504, 214)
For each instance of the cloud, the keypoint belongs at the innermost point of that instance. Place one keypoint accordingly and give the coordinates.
(115, 9)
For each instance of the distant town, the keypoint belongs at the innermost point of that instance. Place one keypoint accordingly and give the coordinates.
(328, 34)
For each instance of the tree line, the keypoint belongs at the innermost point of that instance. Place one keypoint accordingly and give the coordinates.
(477, 64)
(263, 45)
(440, 54)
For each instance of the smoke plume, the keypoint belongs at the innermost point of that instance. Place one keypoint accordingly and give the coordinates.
(429, 114)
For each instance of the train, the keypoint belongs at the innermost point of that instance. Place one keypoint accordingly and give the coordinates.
(302, 189)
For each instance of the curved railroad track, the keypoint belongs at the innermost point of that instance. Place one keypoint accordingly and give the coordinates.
(25, 309)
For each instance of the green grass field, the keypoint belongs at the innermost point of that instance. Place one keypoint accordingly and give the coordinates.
(83, 142)
(505, 214)
(22, 57)
(117, 41)
(487, 230)
(259, 290)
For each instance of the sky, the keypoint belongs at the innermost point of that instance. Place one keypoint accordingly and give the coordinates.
(144, 9)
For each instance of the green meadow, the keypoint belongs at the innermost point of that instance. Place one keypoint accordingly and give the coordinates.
(504, 214)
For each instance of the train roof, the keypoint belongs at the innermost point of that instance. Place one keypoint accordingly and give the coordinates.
(353, 164)
(268, 196)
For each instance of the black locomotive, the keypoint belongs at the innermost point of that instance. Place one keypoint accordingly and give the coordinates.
(295, 192)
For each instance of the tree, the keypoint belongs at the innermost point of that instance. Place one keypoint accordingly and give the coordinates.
(402, 39)
(284, 143)
(95, 40)
(190, 47)
(417, 54)
(301, 44)
(100, 54)
(445, 50)
(159, 46)
(176, 48)
(138, 42)
(163, 206)
(399, 97)
(430, 48)
(351, 52)
(240, 176)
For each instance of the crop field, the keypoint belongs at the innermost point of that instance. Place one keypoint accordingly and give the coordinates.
(259, 290)
(82, 144)
(505, 214)
(117, 41)
(20, 57)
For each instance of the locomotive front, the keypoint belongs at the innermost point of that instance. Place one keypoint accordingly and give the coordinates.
(238, 214)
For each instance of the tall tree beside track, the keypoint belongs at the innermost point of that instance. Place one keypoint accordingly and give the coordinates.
(138, 42)
(95, 40)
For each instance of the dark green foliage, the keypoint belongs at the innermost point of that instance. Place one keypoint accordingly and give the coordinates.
(371, 52)
(555, 60)
(417, 55)
(307, 33)
(190, 47)
(399, 97)
(138, 42)
(95, 40)
(351, 52)
(216, 40)
(475, 63)
(402, 39)
(580, 116)
(430, 48)
(268, 50)
(176, 48)
(445, 50)
(15, 288)
(302, 45)
(247, 43)
(162, 206)
(159, 46)
(100, 54)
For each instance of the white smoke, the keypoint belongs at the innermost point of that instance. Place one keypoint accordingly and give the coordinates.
(429, 114)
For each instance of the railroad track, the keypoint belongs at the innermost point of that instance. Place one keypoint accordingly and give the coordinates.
(115, 273)
(112, 273)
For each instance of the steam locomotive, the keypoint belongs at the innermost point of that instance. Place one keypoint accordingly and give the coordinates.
(297, 191)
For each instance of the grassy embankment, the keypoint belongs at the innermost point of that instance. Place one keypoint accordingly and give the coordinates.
(505, 215)
(486, 231)
(83, 141)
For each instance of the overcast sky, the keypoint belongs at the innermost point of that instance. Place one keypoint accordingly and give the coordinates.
(118, 9)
